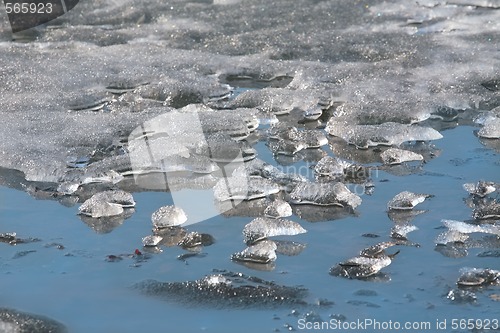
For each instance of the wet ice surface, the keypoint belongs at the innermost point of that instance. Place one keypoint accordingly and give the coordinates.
(71, 99)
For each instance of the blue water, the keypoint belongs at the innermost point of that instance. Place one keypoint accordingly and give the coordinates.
(79, 288)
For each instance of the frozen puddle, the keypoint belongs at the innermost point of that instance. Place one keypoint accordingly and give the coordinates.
(203, 138)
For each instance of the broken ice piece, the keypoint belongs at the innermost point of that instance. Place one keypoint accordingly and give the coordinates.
(324, 194)
(487, 211)
(278, 208)
(377, 250)
(263, 252)
(399, 231)
(490, 129)
(110, 176)
(289, 248)
(451, 236)
(240, 187)
(151, 240)
(478, 277)
(195, 239)
(263, 227)
(481, 188)
(330, 166)
(467, 228)
(107, 203)
(397, 156)
(284, 147)
(406, 200)
(360, 267)
(67, 188)
(388, 134)
(168, 216)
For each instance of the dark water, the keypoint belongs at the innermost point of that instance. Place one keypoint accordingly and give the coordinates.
(78, 287)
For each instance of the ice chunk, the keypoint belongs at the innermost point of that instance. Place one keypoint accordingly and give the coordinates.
(481, 188)
(195, 239)
(107, 203)
(378, 112)
(324, 194)
(387, 134)
(339, 169)
(490, 129)
(360, 267)
(330, 166)
(240, 187)
(284, 147)
(398, 156)
(151, 240)
(263, 227)
(257, 167)
(168, 216)
(467, 228)
(485, 211)
(289, 248)
(451, 236)
(13, 321)
(406, 200)
(278, 208)
(110, 176)
(220, 147)
(399, 231)
(263, 252)
(478, 277)
(310, 138)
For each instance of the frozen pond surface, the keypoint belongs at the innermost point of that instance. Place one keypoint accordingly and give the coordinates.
(75, 94)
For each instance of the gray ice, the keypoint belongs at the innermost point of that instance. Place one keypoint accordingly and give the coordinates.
(406, 200)
(262, 252)
(168, 216)
(264, 227)
(398, 156)
(278, 208)
(107, 203)
(324, 194)
(386, 134)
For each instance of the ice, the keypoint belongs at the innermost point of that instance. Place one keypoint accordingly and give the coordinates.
(451, 236)
(262, 252)
(406, 200)
(278, 208)
(481, 188)
(387, 134)
(221, 148)
(195, 239)
(338, 169)
(226, 290)
(13, 321)
(330, 166)
(490, 129)
(107, 203)
(151, 240)
(478, 276)
(263, 227)
(324, 194)
(289, 248)
(240, 187)
(309, 138)
(489, 210)
(399, 231)
(398, 156)
(467, 228)
(360, 267)
(379, 112)
(168, 216)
